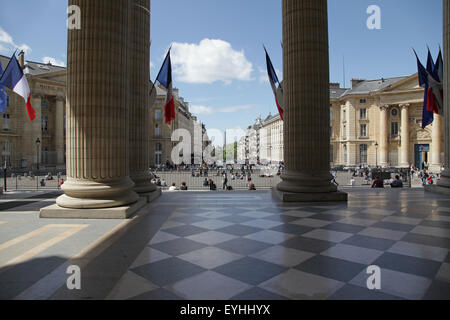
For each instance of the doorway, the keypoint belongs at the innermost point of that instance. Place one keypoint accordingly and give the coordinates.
(421, 155)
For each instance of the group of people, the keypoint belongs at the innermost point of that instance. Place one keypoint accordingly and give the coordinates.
(379, 183)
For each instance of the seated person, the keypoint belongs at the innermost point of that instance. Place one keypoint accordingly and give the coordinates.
(252, 187)
(206, 183)
(378, 183)
(230, 188)
(212, 185)
(183, 186)
(173, 187)
(397, 183)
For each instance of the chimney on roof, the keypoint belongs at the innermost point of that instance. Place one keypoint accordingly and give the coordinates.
(354, 82)
(22, 59)
(335, 85)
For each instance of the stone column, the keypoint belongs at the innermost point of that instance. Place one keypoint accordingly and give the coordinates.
(97, 112)
(443, 185)
(307, 104)
(436, 146)
(383, 141)
(404, 148)
(139, 97)
(59, 130)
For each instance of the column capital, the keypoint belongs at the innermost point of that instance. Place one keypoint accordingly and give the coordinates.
(60, 98)
(404, 106)
(37, 95)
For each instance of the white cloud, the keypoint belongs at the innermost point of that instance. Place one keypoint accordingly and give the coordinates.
(203, 110)
(212, 60)
(7, 44)
(53, 61)
(263, 77)
(152, 65)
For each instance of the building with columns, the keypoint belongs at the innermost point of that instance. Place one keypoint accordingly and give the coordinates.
(375, 122)
(18, 134)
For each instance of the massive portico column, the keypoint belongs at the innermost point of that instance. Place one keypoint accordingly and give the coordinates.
(139, 88)
(384, 141)
(443, 185)
(59, 130)
(306, 102)
(436, 147)
(97, 108)
(404, 148)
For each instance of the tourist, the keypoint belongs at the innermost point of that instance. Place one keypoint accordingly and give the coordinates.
(224, 181)
(163, 183)
(183, 186)
(397, 183)
(352, 182)
(206, 183)
(252, 187)
(212, 185)
(173, 187)
(378, 183)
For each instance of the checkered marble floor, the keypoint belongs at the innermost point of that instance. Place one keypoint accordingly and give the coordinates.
(220, 247)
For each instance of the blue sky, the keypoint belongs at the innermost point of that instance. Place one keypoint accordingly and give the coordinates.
(218, 60)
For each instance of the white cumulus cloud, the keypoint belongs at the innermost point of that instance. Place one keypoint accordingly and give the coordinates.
(7, 44)
(53, 61)
(204, 110)
(212, 60)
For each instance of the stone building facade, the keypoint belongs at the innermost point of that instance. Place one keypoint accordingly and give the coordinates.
(161, 144)
(375, 122)
(18, 136)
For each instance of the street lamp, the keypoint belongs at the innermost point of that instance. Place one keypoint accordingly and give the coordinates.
(38, 142)
(5, 167)
(376, 154)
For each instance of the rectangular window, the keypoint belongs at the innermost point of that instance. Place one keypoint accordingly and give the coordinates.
(331, 116)
(363, 154)
(158, 130)
(158, 102)
(44, 104)
(331, 132)
(363, 130)
(363, 101)
(44, 123)
(394, 129)
(6, 122)
(7, 100)
(363, 114)
(158, 114)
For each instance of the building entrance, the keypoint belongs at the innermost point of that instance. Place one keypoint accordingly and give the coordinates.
(421, 155)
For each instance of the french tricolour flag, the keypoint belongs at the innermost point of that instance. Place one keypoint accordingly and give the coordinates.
(273, 79)
(14, 79)
(165, 79)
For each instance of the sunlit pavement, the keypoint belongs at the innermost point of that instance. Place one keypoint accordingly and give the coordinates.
(234, 245)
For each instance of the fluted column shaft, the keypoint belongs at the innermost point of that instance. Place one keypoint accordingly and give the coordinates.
(445, 176)
(306, 98)
(97, 108)
(436, 136)
(139, 52)
(384, 142)
(405, 144)
(59, 130)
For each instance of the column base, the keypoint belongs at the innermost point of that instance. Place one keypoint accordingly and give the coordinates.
(435, 168)
(57, 212)
(309, 197)
(151, 196)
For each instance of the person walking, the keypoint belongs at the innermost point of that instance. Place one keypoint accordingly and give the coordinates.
(224, 181)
